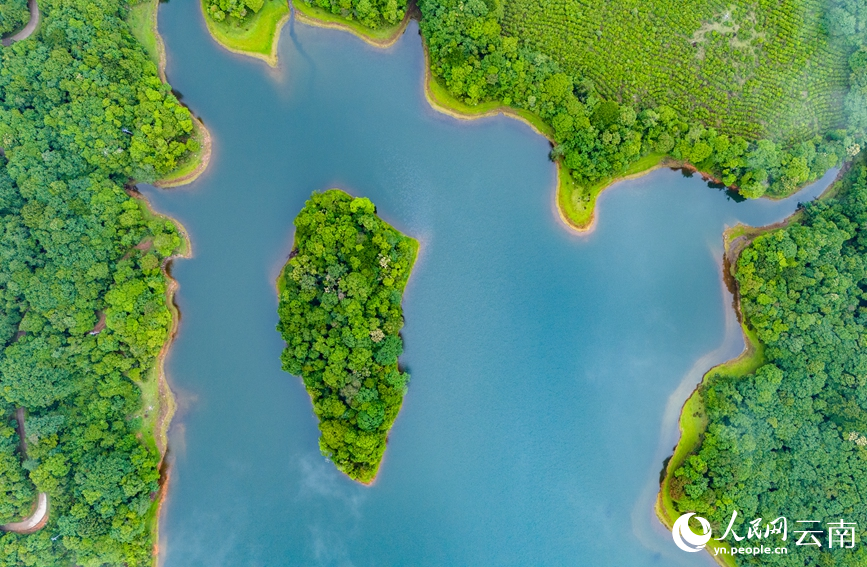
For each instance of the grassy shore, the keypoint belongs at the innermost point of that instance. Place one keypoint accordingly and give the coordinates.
(257, 36)
(693, 417)
(577, 203)
(142, 20)
(385, 36)
(157, 401)
(693, 423)
(194, 164)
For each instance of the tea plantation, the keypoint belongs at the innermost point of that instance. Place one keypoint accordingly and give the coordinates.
(757, 69)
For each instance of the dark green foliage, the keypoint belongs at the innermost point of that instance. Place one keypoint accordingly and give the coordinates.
(219, 10)
(81, 112)
(519, 53)
(370, 13)
(789, 440)
(340, 316)
(13, 15)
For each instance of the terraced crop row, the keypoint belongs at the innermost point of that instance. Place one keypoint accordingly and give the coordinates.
(765, 69)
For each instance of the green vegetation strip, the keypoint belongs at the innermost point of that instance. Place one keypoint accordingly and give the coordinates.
(142, 19)
(381, 36)
(340, 315)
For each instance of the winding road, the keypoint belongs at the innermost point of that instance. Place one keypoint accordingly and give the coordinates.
(28, 29)
(37, 520)
(39, 517)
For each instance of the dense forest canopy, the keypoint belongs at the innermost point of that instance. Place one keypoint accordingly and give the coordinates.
(791, 439)
(13, 15)
(521, 53)
(340, 316)
(370, 13)
(82, 111)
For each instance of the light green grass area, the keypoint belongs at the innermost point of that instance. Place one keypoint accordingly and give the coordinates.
(142, 18)
(382, 36)
(693, 423)
(577, 203)
(256, 36)
(756, 69)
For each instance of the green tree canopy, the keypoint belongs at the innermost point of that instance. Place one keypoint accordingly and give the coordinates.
(340, 316)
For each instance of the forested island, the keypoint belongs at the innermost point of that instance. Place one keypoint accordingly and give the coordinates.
(340, 315)
(85, 304)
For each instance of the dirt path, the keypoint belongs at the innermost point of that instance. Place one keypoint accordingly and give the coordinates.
(28, 30)
(35, 522)
(39, 517)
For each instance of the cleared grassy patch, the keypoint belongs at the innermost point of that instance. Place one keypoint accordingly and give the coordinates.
(142, 19)
(256, 36)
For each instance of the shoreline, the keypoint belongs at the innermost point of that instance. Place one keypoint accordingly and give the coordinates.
(450, 107)
(166, 402)
(445, 104)
(203, 159)
(271, 58)
(307, 15)
(165, 398)
(179, 176)
(590, 227)
(692, 422)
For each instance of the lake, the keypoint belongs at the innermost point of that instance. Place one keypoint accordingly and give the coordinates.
(548, 368)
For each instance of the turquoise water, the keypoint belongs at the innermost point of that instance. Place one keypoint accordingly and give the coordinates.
(547, 368)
